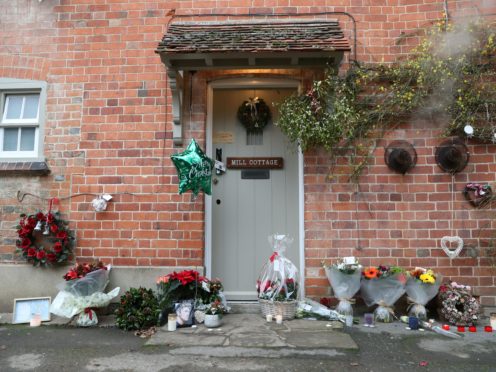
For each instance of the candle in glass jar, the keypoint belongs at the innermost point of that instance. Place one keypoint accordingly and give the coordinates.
(368, 319)
(35, 320)
(171, 322)
(269, 317)
(279, 319)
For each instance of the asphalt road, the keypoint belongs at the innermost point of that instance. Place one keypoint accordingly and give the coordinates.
(50, 348)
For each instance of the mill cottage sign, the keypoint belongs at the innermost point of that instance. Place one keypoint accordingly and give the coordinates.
(257, 163)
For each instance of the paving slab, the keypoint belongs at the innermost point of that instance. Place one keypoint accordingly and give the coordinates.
(178, 338)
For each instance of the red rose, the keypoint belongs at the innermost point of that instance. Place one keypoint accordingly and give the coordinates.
(31, 252)
(51, 257)
(40, 216)
(31, 223)
(54, 228)
(71, 274)
(61, 235)
(24, 231)
(40, 255)
(57, 247)
(50, 218)
(26, 243)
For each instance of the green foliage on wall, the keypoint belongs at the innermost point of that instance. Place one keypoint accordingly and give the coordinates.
(450, 75)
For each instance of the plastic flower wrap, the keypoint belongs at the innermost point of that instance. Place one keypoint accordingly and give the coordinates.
(344, 277)
(421, 287)
(83, 293)
(382, 286)
(279, 279)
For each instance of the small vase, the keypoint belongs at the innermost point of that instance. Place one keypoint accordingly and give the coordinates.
(213, 321)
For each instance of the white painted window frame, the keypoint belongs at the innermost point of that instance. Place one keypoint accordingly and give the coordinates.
(23, 87)
(241, 83)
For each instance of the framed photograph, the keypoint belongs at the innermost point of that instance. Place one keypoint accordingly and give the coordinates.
(25, 308)
(185, 311)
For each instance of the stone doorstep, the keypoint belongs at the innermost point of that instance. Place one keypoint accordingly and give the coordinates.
(252, 331)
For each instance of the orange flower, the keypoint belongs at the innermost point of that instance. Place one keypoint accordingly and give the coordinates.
(370, 272)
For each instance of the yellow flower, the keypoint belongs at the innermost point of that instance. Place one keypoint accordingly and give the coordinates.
(427, 278)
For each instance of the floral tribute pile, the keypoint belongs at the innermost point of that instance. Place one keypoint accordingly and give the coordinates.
(187, 285)
(44, 239)
(458, 306)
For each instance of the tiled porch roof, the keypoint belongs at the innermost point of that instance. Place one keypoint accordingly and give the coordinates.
(274, 36)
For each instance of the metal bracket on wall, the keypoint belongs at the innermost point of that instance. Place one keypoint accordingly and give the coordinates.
(176, 87)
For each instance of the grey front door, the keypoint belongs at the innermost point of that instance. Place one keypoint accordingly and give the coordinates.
(245, 211)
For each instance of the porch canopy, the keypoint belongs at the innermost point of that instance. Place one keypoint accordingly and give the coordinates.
(282, 44)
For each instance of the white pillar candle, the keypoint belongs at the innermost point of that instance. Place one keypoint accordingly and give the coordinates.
(35, 320)
(279, 319)
(269, 317)
(349, 320)
(493, 320)
(171, 323)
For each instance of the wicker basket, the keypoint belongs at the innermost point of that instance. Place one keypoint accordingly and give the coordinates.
(286, 308)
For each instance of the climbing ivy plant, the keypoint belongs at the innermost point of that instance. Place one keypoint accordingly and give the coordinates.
(450, 75)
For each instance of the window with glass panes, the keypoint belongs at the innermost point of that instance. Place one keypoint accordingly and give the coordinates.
(19, 127)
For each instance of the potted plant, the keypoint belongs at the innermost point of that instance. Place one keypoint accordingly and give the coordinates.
(213, 314)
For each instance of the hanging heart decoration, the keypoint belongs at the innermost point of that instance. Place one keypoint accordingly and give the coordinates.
(447, 242)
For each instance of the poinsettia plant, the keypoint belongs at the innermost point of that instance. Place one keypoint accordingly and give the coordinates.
(44, 239)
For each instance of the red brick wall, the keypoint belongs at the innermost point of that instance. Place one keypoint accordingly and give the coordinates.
(107, 131)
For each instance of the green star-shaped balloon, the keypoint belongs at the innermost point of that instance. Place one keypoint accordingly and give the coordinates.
(194, 169)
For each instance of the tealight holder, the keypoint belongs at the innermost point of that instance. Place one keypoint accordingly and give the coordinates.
(413, 323)
(488, 329)
(461, 329)
(472, 329)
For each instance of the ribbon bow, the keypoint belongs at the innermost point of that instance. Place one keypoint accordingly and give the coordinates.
(89, 311)
(388, 308)
(273, 257)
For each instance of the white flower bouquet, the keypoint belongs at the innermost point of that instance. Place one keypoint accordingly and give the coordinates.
(344, 277)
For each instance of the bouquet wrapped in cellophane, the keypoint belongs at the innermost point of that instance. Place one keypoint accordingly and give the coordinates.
(383, 286)
(421, 287)
(344, 277)
(82, 292)
(279, 279)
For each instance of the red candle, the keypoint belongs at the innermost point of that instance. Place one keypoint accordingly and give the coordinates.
(472, 329)
(488, 329)
(446, 327)
(461, 329)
